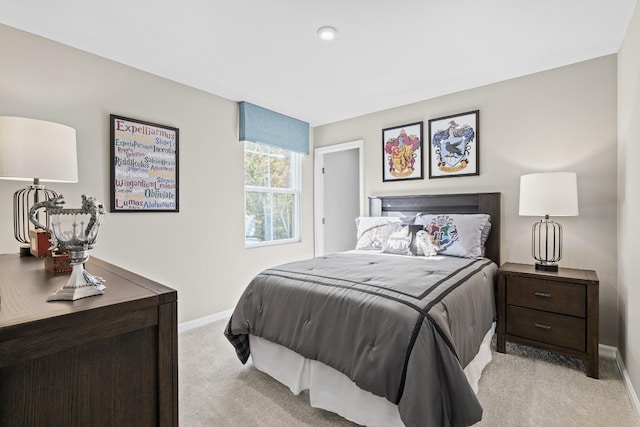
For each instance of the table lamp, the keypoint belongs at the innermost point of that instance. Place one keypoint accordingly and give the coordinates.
(548, 194)
(37, 151)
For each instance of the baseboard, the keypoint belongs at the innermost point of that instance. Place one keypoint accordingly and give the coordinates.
(627, 382)
(608, 351)
(613, 353)
(196, 323)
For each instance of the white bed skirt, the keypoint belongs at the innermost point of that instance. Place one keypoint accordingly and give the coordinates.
(333, 391)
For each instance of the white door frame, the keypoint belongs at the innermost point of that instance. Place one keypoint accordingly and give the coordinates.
(318, 190)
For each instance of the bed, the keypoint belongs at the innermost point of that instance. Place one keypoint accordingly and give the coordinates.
(381, 339)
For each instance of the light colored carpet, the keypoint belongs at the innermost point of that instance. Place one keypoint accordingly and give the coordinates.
(524, 387)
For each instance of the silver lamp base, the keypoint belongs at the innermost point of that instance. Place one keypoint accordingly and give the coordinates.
(546, 266)
(546, 244)
(81, 284)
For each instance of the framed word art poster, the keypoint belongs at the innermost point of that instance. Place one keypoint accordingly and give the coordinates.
(144, 166)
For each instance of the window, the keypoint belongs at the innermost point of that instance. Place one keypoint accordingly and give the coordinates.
(271, 195)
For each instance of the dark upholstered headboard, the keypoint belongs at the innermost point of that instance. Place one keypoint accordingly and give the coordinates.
(488, 203)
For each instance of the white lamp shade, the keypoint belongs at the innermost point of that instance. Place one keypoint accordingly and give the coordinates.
(553, 194)
(32, 148)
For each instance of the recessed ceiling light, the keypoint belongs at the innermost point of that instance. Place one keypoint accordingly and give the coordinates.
(327, 33)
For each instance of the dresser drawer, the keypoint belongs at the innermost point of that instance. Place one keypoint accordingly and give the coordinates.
(556, 297)
(550, 328)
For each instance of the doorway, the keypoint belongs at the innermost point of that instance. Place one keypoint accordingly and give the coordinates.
(339, 196)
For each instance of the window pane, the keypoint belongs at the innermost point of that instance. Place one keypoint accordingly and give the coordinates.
(254, 209)
(269, 216)
(256, 165)
(280, 168)
(266, 166)
(283, 216)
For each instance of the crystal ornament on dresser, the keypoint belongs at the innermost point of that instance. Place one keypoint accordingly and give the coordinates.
(73, 230)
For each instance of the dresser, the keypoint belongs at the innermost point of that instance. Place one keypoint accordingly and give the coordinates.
(554, 311)
(108, 360)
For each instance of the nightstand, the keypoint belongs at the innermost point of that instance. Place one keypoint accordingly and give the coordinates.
(554, 311)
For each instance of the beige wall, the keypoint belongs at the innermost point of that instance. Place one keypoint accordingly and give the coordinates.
(558, 120)
(198, 251)
(629, 199)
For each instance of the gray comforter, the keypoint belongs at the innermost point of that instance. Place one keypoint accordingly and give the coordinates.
(400, 327)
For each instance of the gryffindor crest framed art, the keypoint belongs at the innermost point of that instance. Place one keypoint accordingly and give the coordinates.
(402, 152)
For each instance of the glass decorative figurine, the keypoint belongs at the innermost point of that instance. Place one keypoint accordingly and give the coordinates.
(74, 231)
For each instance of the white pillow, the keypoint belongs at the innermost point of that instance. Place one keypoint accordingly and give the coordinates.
(485, 234)
(456, 234)
(370, 231)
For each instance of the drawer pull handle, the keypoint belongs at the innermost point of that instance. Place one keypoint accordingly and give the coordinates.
(541, 326)
(542, 294)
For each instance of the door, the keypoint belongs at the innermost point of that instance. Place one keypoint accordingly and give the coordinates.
(339, 196)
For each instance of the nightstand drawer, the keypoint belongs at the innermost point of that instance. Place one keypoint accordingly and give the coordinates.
(550, 328)
(557, 297)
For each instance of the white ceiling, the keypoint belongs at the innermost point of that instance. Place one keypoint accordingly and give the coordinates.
(386, 54)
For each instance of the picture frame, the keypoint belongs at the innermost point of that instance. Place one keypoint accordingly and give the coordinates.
(144, 166)
(454, 143)
(402, 154)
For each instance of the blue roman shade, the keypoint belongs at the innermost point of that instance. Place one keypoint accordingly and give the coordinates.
(257, 124)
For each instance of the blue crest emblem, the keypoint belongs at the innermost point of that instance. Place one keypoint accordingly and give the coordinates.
(452, 146)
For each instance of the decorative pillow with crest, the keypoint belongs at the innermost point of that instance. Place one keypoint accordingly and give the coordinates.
(456, 234)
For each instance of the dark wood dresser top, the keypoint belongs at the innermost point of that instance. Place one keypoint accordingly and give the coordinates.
(25, 285)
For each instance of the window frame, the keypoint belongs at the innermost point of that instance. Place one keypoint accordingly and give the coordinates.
(295, 189)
